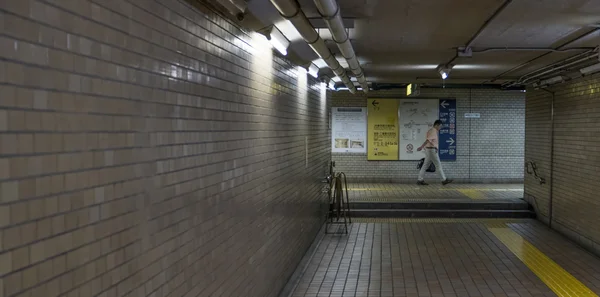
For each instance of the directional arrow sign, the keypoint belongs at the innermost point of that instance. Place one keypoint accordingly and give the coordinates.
(450, 141)
(375, 103)
(444, 104)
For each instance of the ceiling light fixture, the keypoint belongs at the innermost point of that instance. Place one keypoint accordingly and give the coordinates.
(590, 69)
(313, 70)
(444, 70)
(277, 39)
(332, 85)
(551, 81)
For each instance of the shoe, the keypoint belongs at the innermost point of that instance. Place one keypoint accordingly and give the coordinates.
(422, 183)
(447, 181)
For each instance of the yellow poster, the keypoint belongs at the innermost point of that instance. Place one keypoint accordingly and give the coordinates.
(382, 129)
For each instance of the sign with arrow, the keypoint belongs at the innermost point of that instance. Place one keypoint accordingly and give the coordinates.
(447, 114)
(375, 104)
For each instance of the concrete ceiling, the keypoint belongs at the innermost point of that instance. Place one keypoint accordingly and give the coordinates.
(403, 41)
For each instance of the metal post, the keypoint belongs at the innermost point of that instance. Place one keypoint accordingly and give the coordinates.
(550, 198)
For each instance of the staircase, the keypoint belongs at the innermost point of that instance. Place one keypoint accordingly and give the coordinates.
(443, 208)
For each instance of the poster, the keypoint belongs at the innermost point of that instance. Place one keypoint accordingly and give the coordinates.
(416, 117)
(349, 130)
(447, 138)
(382, 131)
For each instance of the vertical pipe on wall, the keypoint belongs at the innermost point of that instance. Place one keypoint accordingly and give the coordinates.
(550, 194)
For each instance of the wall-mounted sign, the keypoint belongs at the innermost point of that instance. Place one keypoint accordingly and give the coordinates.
(412, 90)
(415, 117)
(382, 129)
(472, 115)
(349, 130)
(447, 138)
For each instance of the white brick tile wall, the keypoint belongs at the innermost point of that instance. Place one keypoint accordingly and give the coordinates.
(490, 149)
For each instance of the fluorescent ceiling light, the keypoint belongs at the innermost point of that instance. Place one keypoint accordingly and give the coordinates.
(320, 63)
(276, 38)
(332, 85)
(313, 70)
(288, 29)
(553, 80)
(590, 69)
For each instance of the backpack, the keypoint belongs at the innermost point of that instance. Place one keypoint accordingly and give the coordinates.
(431, 166)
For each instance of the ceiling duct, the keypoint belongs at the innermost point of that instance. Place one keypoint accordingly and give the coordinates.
(291, 11)
(330, 11)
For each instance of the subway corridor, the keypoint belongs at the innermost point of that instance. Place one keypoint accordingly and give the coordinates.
(222, 148)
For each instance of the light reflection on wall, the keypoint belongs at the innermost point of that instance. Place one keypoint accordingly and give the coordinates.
(302, 85)
(323, 95)
(261, 77)
(262, 63)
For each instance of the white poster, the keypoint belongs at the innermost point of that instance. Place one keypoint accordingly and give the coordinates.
(415, 117)
(349, 131)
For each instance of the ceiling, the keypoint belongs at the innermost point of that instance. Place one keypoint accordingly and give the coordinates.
(403, 41)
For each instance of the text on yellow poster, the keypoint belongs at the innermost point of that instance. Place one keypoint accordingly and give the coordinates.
(382, 129)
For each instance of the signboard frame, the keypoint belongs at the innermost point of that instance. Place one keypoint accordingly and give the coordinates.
(382, 129)
(343, 141)
(447, 137)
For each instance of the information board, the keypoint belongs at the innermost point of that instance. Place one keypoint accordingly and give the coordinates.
(416, 117)
(382, 129)
(349, 130)
(447, 138)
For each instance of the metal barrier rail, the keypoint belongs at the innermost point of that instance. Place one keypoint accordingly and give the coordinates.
(339, 203)
(531, 168)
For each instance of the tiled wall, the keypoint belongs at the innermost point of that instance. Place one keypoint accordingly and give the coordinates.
(490, 149)
(151, 148)
(571, 169)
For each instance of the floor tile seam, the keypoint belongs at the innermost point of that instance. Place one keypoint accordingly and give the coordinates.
(479, 232)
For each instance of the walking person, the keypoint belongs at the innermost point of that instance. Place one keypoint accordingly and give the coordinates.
(431, 146)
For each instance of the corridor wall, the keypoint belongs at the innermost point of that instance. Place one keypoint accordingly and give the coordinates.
(489, 149)
(152, 148)
(565, 146)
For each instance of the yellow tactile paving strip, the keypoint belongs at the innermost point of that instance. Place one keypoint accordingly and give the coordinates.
(561, 282)
(473, 194)
(436, 220)
(385, 192)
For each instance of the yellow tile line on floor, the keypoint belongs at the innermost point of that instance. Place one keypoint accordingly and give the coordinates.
(419, 188)
(473, 194)
(555, 277)
(434, 220)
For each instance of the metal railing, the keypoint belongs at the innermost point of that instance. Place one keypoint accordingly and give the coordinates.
(531, 168)
(339, 203)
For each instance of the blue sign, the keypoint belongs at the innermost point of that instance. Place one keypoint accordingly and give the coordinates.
(448, 131)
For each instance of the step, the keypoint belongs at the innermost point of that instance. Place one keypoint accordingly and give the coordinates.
(514, 204)
(441, 213)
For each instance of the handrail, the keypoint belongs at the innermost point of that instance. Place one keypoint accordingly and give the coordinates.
(339, 203)
(534, 171)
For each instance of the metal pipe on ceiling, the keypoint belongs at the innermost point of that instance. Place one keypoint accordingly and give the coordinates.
(487, 22)
(290, 10)
(540, 49)
(529, 77)
(330, 12)
(543, 55)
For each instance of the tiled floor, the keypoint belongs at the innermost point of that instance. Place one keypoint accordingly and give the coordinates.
(448, 258)
(390, 192)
